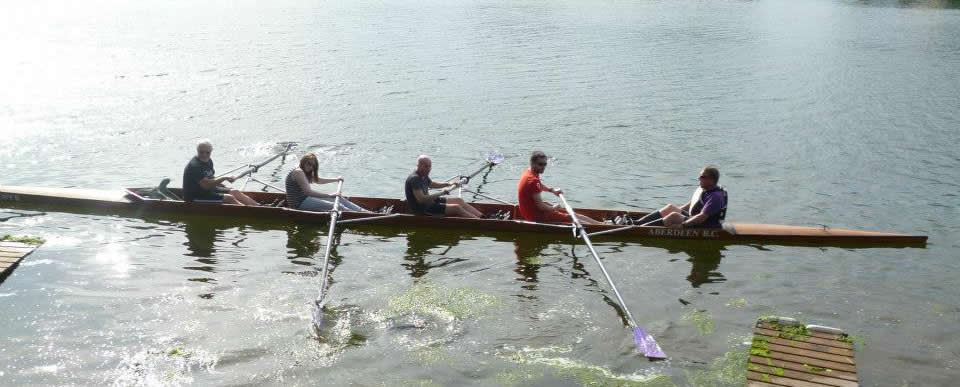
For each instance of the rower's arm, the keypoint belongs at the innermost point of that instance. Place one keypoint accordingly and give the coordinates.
(326, 180)
(208, 183)
(301, 180)
(542, 205)
(434, 184)
(696, 219)
(426, 199)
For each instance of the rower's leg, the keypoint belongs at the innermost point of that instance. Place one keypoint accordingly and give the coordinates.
(467, 207)
(453, 209)
(350, 206)
(657, 215)
(674, 219)
(229, 199)
(246, 200)
(586, 219)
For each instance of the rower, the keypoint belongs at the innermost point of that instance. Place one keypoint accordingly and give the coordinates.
(531, 206)
(201, 186)
(422, 202)
(300, 196)
(707, 207)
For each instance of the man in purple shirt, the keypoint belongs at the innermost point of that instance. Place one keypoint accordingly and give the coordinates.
(707, 206)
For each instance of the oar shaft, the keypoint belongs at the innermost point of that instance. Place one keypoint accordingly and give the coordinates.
(333, 223)
(596, 257)
(254, 168)
(489, 197)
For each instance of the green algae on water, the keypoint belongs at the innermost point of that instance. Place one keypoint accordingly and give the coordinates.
(30, 240)
(444, 302)
(583, 374)
(738, 302)
(702, 320)
(727, 370)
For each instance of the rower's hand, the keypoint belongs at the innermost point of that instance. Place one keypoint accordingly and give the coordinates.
(230, 179)
(339, 178)
(445, 192)
(557, 191)
(455, 184)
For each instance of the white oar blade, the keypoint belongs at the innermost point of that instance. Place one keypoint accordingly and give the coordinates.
(495, 158)
(647, 345)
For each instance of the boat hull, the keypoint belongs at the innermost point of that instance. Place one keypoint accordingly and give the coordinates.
(135, 200)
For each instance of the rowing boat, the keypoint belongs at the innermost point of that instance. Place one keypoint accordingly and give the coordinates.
(138, 199)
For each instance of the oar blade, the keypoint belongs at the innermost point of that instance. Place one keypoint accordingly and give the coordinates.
(647, 345)
(318, 316)
(495, 158)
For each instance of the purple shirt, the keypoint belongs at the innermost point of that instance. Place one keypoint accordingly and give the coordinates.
(712, 203)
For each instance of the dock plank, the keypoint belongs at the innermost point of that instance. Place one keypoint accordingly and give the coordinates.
(805, 357)
(11, 253)
(806, 345)
(811, 339)
(803, 367)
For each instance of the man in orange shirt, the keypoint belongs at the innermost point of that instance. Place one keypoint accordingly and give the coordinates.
(531, 206)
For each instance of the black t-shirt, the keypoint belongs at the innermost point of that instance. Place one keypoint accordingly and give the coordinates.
(195, 171)
(415, 182)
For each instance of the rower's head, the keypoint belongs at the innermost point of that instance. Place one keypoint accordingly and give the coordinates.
(204, 149)
(538, 162)
(709, 177)
(309, 165)
(424, 164)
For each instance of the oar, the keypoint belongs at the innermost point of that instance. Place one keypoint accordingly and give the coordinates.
(493, 158)
(647, 345)
(318, 304)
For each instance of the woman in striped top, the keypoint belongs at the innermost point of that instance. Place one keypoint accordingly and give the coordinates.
(302, 197)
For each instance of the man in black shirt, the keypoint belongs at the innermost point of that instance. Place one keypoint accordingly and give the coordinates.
(421, 202)
(200, 183)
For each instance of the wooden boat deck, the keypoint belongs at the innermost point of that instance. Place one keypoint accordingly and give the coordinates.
(11, 253)
(784, 354)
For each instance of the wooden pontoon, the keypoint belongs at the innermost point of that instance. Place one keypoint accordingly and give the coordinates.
(137, 199)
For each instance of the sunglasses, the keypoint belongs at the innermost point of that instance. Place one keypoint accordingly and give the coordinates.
(542, 164)
(704, 177)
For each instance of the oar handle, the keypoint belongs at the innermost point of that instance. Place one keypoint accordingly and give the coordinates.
(336, 200)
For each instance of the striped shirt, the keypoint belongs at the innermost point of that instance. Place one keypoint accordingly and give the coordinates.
(295, 194)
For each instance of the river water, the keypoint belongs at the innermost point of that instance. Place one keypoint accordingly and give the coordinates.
(840, 113)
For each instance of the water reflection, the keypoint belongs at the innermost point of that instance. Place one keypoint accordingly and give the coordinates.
(420, 244)
(912, 3)
(705, 264)
(529, 253)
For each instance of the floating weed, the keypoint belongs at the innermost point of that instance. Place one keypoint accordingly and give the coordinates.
(727, 370)
(522, 376)
(702, 320)
(430, 355)
(584, 374)
(36, 241)
(738, 302)
(533, 260)
(419, 383)
(763, 276)
(443, 302)
(859, 343)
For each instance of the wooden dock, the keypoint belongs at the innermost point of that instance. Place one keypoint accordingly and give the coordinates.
(787, 353)
(10, 255)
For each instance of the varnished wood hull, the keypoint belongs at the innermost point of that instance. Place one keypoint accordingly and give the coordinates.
(730, 233)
